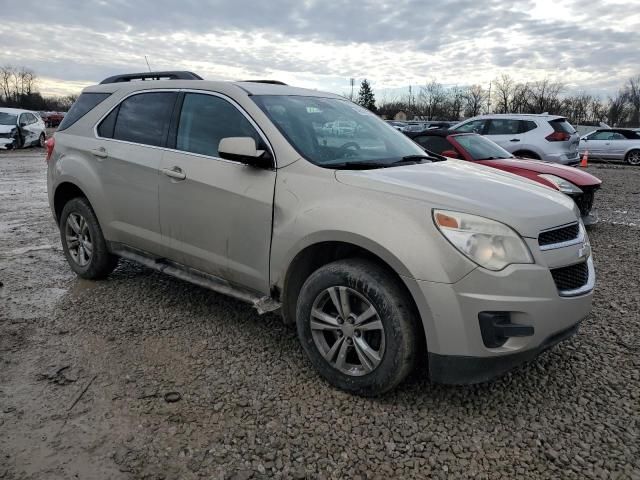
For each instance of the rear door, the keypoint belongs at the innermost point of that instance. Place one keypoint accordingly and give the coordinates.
(127, 158)
(617, 145)
(216, 214)
(505, 132)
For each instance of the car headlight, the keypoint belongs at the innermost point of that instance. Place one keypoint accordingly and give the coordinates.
(490, 244)
(565, 186)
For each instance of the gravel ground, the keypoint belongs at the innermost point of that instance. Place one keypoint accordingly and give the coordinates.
(145, 376)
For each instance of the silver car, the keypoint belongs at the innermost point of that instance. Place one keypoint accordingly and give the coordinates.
(618, 144)
(385, 257)
(540, 137)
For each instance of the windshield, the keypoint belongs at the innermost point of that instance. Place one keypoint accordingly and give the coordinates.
(481, 148)
(8, 118)
(336, 133)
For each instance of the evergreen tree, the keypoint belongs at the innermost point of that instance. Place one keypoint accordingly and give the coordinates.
(366, 97)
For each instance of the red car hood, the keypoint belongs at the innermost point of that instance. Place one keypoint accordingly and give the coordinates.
(530, 169)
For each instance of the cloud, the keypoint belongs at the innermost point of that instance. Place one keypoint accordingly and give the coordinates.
(590, 44)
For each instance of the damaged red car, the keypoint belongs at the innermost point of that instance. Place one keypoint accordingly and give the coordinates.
(579, 185)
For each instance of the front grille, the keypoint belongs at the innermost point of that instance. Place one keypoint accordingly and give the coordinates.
(6, 135)
(571, 277)
(559, 235)
(584, 200)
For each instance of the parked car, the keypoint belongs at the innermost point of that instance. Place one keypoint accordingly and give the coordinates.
(619, 144)
(580, 186)
(397, 124)
(375, 249)
(540, 137)
(52, 119)
(21, 128)
(343, 128)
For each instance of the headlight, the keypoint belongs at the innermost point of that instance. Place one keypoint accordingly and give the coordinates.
(490, 244)
(565, 186)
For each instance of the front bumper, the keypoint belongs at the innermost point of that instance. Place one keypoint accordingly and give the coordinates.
(563, 158)
(461, 370)
(527, 293)
(7, 142)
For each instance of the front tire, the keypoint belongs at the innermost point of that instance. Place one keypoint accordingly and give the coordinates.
(358, 326)
(633, 157)
(42, 140)
(83, 244)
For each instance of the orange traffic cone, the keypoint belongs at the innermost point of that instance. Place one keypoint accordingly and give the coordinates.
(585, 159)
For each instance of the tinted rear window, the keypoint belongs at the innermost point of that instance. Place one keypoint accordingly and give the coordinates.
(561, 125)
(83, 105)
(144, 118)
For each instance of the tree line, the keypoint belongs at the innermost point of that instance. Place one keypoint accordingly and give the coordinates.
(434, 101)
(19, 89)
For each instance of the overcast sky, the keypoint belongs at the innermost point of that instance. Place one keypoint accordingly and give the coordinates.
(588, 44)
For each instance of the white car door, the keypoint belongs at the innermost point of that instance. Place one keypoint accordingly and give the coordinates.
(505, 132)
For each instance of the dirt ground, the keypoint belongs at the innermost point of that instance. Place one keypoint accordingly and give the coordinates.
(146, 376)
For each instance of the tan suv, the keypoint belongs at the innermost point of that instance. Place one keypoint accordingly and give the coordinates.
(383, 255)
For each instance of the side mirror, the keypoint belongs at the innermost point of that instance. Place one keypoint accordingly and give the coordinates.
(23, 123)
(243, 149)
(450, 154)
(584, 139)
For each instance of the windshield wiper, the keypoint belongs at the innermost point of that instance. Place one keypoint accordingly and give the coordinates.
(357, 165)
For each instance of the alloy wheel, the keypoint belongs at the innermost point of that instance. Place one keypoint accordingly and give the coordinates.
(78, 239)
(634, 157)
(347, 331)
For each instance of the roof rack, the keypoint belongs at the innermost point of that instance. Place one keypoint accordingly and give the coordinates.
(170, 75)
(270, 82)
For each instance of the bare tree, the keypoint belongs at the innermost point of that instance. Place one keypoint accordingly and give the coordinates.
(632, 94)
(431, 99)
(505, 88)
(616, 111)
(475, 98)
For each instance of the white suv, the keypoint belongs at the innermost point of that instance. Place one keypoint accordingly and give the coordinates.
(541, 137)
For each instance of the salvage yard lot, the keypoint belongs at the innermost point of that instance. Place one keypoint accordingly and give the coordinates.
(90, 373)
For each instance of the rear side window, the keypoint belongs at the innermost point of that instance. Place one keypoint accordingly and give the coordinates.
(205, 120)
(143, 118)
(503, 126)
(434, 144)
(561, 125)
(527, 126)
(83, 105)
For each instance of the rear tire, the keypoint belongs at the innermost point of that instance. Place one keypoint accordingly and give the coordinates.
(83, 244)
(375, 347)
(633, 157)
(527, 154)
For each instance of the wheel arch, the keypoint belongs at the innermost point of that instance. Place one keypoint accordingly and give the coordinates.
(318, 254)
(64, 192)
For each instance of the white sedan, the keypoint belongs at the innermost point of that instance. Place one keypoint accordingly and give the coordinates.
(21, 128)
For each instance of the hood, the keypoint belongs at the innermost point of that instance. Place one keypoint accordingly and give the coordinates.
(7, 128)
(462, 186)
(573, 174)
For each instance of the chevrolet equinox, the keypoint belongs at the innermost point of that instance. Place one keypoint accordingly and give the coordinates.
(385, 256)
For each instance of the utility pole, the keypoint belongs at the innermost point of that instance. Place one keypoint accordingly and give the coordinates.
(489, 99)
(353, 81)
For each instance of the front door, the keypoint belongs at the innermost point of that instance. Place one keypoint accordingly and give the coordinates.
(215, 214)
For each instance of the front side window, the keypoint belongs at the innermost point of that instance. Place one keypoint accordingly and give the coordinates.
(475, 126)
(144, 118)
(207, 119)
(83, 105)
(337, 133)
(602, 135)
(481, 148)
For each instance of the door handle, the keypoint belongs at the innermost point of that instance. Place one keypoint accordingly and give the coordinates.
(174, 172)
(514, 140)
(99, 152)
